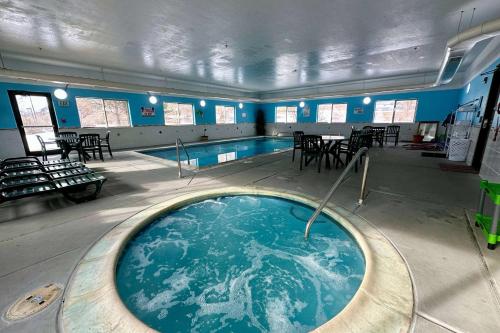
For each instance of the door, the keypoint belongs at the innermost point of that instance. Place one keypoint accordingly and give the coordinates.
(489, 114)
(35, 116)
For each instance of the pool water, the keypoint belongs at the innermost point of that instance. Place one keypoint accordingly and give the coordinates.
(203, 155)
(239, 264)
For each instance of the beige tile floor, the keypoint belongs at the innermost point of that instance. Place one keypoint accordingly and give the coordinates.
(416, 205)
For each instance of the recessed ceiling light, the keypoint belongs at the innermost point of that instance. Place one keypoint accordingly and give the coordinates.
(367, 100)
(60, 94)
(203, 103)
(302, 104)
(240, 105)
(421, 57)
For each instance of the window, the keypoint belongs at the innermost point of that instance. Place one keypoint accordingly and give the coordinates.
(178, 114)
(395, 111)
(97, 112)
(332, 113)
(224, 114)
(286, 114)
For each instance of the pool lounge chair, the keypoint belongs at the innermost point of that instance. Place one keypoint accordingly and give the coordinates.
(78, 184)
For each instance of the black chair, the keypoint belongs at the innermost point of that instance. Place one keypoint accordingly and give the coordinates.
(378, 135)
(350, 149)
(105, 144)
(44, 148)
(392, 132)
(297, 142)
(69, 141)
(367, 132)
(91, 143)
(311, 149)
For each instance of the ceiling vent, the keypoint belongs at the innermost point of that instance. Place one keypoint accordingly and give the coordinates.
(458, 46)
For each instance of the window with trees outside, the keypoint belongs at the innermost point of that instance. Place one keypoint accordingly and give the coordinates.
(286, 114)
(395, 111)
(98, 112)
(178, 114)
(332, 113)
(224, 114)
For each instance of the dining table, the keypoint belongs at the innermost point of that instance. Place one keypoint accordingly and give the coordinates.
(67, 144)
(329, 143)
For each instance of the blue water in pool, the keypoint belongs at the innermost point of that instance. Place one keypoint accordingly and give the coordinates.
(239, 264)
(214, 153)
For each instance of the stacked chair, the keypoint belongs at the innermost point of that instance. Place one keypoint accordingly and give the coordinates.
(28, 176)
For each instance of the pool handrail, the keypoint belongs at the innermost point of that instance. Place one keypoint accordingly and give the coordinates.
(177, 142)
(354, 161)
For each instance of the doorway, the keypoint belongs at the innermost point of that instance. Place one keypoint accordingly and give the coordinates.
(35, 116)
(489, 114)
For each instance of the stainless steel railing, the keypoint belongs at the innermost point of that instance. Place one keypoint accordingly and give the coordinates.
(335, 186)
(178, 142)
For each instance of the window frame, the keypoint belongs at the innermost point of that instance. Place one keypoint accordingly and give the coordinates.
(225, 109)
(395, 101)
(178, 118)
(331, 113)
(129, 116)
(287, 107)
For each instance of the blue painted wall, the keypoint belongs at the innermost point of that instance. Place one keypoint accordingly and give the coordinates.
(478, 89)
(433, 105)
(67, 117)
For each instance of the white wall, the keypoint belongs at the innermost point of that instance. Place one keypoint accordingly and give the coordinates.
(136, 137)
(490, 169)
(11, 144)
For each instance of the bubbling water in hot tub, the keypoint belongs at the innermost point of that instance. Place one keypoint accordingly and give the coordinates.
(239, 264)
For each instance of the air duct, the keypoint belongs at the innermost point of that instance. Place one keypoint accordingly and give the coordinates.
(458, 46)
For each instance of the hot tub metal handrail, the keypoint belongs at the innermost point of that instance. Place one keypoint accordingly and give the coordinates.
(177, 142)
(361, 151)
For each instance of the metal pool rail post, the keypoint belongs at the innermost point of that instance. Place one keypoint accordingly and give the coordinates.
(177, 142)
(361, 151)
(178, 157)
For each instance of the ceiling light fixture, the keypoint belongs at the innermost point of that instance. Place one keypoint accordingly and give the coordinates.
(153, 99)
(240, 105)
(367, 100)
(203, 103)
(302, 104)
(61, 94)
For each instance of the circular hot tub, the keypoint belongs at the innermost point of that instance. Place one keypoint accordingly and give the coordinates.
(239, 264)
(236, 260)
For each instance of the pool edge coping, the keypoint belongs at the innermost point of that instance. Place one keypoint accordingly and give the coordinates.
(383, 302)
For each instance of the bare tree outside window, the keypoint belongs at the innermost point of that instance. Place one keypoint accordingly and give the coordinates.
(178, 114)
(96, 112)
(332, 113)
(286, 114)
(224, 114)
(395, 111)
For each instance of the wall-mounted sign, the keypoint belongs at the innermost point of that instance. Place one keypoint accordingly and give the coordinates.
(306, 111)
(64, 103)
(358, 111)
(148, 112)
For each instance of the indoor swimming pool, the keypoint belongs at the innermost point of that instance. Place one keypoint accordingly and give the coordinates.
(209, 154)
(239, 263)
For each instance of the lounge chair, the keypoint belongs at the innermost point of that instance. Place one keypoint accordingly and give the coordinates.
(77, 183)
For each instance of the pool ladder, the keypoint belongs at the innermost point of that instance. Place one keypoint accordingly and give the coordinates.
(179, 143)
(339, 181)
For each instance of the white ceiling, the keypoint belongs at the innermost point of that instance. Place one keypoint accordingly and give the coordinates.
(259, 45)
